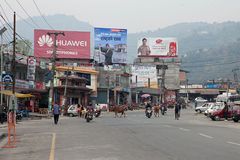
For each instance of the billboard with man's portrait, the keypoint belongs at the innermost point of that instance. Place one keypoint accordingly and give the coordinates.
(157, 47)
(110, 46)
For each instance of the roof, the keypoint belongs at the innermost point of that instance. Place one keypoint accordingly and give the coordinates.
(18, 95)
(75, 87)
(72, 77)
(76, 69)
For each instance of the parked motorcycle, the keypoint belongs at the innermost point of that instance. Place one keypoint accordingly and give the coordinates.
(89, 115)
(3, 117)
(19, 115)
(149, 112)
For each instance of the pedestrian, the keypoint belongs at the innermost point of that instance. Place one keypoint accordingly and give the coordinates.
(78, 110)
(56, 112)
(177, 111)
(225, 110)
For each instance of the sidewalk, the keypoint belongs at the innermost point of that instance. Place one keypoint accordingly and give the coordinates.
(3, 125)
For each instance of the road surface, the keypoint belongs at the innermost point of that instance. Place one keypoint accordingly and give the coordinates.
(193, 137)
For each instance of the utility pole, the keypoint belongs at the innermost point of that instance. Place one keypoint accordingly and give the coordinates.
(14, 53)
(54, 56)
(1, 52)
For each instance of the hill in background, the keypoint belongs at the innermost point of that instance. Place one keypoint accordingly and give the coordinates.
(208, 51)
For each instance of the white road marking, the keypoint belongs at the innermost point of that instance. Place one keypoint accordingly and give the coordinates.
(237, 144)
(184, 129)
(204, 135)
(168, 126)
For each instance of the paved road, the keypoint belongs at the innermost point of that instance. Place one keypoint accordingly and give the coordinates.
(193, 137)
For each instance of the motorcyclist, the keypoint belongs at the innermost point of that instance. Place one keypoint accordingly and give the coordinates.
(147, 105)
(90, 109)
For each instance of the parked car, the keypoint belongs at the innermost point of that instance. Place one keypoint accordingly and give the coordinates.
(72, 110)
(236, 113)
(203, 107)
(214, 107)
(219, 114)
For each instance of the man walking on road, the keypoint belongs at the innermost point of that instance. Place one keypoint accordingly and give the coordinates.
(177, 110)
(56, 112)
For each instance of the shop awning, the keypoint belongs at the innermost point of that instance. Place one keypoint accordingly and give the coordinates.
(18, 95)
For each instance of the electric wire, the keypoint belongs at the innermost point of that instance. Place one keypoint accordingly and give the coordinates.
(43, 17)
(28, 15)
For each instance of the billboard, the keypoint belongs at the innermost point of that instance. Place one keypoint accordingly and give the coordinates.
(157, 47)
(141, 75)
(74, 44)
(110, 46)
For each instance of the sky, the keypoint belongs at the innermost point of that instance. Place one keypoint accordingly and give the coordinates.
(134, 15)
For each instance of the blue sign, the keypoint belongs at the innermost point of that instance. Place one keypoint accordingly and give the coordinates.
(7, 78)
(110, 45)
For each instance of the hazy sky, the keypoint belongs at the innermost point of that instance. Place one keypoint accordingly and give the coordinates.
(135, 15)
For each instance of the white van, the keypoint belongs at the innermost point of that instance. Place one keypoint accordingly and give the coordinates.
(72, 110)
(203, 107)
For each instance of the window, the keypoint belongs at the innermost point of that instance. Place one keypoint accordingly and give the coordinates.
(85, 75)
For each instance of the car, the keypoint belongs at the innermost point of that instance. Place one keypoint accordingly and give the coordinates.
(200, 99)
(236, 113)
(219, 114)
(72, 110)
(214, 107)
(203, 107)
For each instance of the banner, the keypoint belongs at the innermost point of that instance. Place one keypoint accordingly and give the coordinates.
(73, 45)
(31, 69)
(110, 46)
(157, 47)
(141, 74)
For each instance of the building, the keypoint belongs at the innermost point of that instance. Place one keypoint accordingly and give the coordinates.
(78, 82)
(35, 87)
(167, 79)
(113, 85)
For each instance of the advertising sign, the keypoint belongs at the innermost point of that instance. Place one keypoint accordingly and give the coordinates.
(142, 74)
(31, 68)
(157, 47)
(110, 46)
(73, 45)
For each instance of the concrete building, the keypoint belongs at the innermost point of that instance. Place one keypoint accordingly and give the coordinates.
(113, 85)
(168, 82)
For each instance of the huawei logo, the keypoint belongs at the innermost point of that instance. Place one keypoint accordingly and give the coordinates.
(45, 39)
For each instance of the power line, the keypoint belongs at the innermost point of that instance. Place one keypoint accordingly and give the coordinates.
(19, 15)
(43, 17)
(16, 32)
(27, 14)
(5, 16)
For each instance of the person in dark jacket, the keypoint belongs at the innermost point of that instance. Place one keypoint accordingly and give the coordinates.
(177, 110)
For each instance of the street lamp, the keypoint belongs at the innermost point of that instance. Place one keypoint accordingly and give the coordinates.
(1, 33)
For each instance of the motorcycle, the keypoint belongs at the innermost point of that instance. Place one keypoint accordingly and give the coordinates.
(19, 115)
(97, 112)
(3, 117)
(149, 112)
(89, 115)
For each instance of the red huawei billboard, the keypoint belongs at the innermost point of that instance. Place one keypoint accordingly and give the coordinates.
(73, 45)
